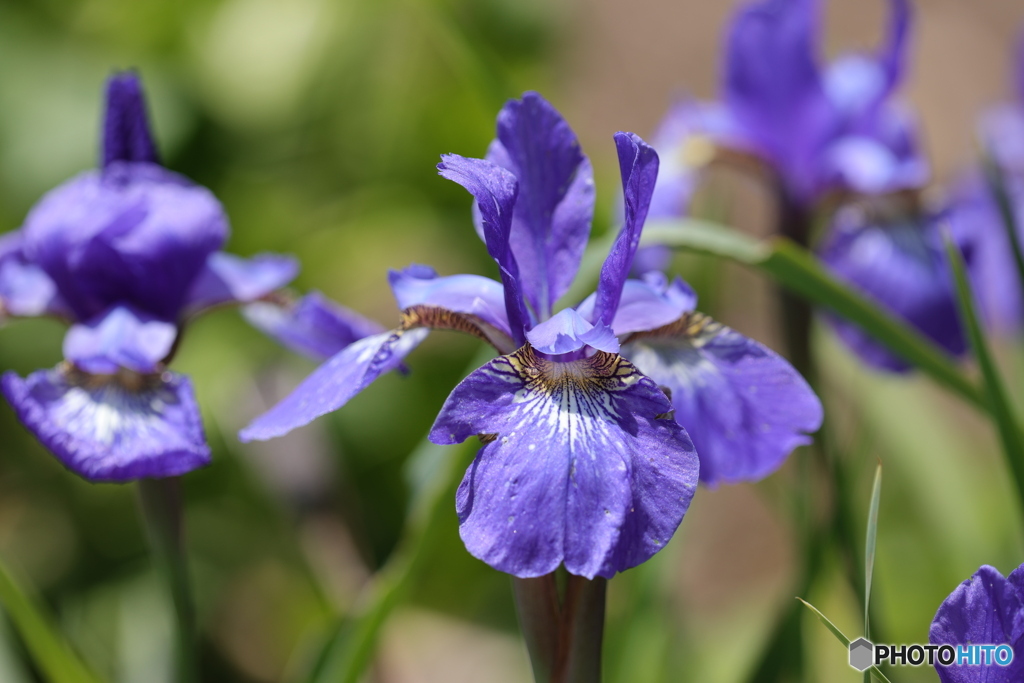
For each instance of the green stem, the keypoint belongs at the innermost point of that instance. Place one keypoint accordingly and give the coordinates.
(564, 637)
(539, 619)
(162, 509)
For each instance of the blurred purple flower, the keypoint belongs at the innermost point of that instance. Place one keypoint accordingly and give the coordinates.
(582, 463)
(900, 264)
(984, 609)
(125, 254)
(817, 129)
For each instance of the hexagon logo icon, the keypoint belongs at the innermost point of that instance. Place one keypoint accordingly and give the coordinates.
(862, 654)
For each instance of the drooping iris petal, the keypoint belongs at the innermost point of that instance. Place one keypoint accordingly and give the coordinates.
(984, 609)
(495, 191)
(227, 278)
(638, 164)
(578, 466)
(313, 325)
(120, 338)
(555, 206)
(126, 135)
(25, 290)
(568, 331)
(901, 266)
(744, 406)
(335, 382)
(133, 234)
(104, 430)
(472, 294)
(647, 304)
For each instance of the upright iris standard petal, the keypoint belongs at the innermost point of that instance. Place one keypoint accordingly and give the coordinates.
(495, 191)
(892, 56)
(335, 382)
(900, 265)
(551, 222)
(113, 428)
(230, 279)
(773, 86)
(120, 338)
(133, 234)
(984, 609)
(638, 164)
(744, 406)
(472, 294)
(313, 325)
(580, 465)
(126, 135)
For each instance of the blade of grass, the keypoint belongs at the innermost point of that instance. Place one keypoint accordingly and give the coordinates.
(1002, 410)
(49, 650)
(799, 271)
(869, 546)
(841, 637)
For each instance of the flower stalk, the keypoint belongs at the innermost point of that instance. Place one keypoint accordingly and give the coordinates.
(563, 634)
(161, 503)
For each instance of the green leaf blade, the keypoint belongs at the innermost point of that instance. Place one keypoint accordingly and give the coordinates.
(840, 636)
(1003, 413)
(869, 546)
(49, 650)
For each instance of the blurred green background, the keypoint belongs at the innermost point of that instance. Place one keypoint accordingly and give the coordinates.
(318, 124)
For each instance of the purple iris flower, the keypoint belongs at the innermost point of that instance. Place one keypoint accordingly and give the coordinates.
(817, 129)
(899, 262)
(582, 463)
(125, 254)
(985, 609)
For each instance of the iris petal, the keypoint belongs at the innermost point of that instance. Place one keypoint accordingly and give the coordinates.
(647, 304)
(578, 468)
(555, 205)
(227, 278)
(567, 331)
(25, 290)
(773, 86)
(495, 191)
(902, 267)
(985, 608)
(638, 164)
(473, 294)
(126, 135)
(120, 338)
(335, 382)
(745, 407)
(314, 325)
(105, 431)
(133, 234)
